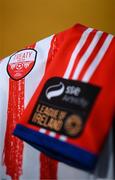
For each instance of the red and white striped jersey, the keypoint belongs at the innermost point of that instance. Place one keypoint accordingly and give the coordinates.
(79, 54)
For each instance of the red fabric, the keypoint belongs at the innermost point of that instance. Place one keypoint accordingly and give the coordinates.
(82, 51)
(48, 168)
(99, 121)
(67, 41)
(98, 46)
(13, 147)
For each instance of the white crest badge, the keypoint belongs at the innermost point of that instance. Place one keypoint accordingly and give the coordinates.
(21, 63)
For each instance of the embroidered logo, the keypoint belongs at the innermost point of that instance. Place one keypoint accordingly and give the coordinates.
(64, 106)
(55, 90)
(21, 63)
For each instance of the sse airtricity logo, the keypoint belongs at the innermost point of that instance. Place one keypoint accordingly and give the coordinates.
(55, 90)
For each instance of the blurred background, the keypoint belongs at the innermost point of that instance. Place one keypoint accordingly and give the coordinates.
(23, 22)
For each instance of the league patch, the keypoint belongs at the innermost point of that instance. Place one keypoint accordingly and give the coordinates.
(64, 106)
(21, 63)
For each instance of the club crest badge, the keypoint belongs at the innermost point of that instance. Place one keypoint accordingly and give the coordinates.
(21, 63)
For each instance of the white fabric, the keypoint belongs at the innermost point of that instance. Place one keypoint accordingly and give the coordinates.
(31, 164)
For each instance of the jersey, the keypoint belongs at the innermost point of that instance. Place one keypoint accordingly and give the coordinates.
(23, 78)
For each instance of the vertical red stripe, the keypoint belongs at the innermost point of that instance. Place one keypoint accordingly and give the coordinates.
(92, 56)
(48, 166)
(48, 169)
(32, 46)
(82, 51)
(13, 147)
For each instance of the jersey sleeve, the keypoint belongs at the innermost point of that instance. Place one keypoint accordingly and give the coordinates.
(70, 114)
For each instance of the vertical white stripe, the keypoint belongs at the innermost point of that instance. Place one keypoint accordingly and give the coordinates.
(97, 59)
(32, 80)
(95, 62)
(76, 51)
(4, 96)
(87, 54)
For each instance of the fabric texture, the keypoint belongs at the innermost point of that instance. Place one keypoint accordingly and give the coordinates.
(77, 55)
(83, 55)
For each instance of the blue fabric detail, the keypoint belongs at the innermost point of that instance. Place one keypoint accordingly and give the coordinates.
(59, 150)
